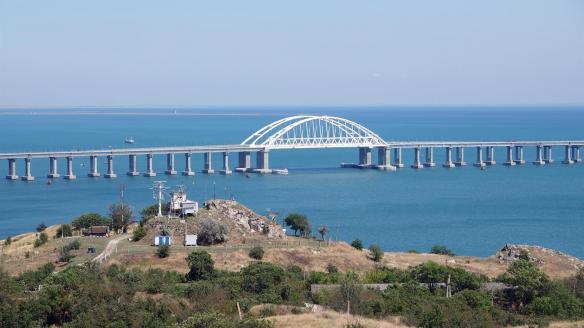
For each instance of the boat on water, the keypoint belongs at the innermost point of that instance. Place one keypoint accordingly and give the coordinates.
(129, 140)
(280, 171)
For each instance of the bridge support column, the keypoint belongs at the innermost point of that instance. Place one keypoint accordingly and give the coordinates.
(53, 171)
(460, 157)
(132, 167)
(568, 158)
(510, 161)
(397, 154)
(479, 162)
(93, 167)
(226, 169)
(576, 154)
(110, 168)
(188, 165)
(364, 157)
(262, 162)
(149, 168)
(244, 163)
(448, 162)
(170, 164)
(417, 163)
(27, 175)
(519, 155)
(539, 158)
(70, 175)
(12, 169)
(490, 156)
(429, 157)
(384, 159)
(548, 154)
(208, 164)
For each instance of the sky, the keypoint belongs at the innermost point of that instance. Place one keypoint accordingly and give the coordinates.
(70, 53)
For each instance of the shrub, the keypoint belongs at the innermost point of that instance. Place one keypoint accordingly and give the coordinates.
(8, 241)
(256, 253)
(139, 233)
(261, 276)
(267, 311)
(332, 269)
(75, 244)
(41, 240)
(201, 265)
(163, 251)
(65, 255)
(357, 244)
(442, 250)
(413, 251)
(41, 227)
(298, 223)
(376, 252)
(212, 232)
(64, 230)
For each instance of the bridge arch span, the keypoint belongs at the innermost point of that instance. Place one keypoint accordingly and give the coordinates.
(310, 131)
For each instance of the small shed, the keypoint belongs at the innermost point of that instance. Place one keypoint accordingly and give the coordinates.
(190, 240)
(162, 240)
(100, 231)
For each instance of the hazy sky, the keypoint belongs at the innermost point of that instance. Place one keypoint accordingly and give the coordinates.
(192, 53)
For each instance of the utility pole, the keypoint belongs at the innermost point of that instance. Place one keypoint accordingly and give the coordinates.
(157, 190)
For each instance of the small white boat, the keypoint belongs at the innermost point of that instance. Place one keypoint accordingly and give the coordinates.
(129, 140)
(280, 171)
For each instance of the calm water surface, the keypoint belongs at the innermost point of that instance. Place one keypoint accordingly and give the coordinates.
(473, 212)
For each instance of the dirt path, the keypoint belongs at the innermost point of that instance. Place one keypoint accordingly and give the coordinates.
(107, 251)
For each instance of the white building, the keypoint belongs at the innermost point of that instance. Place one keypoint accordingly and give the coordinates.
(180, 205)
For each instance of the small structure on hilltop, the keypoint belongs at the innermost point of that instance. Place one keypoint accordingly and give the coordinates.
(98, 231)
(190, 240)
(162, 240)
(180, 205)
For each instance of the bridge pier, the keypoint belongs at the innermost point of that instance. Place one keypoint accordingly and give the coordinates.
(149, 168)
(448, 163)
(188, 165)
(548, 154)
(226, 169)
(479, 162)
(568, 158)
(490, 156)
(208, 164)
(384, 159)
(27, 175)
(539, 158)
(12, 169)
(417, 164)
(93, 167)
(110, 168)
(460, 157)
(429, 157)
(364, 158)
(170, 164)
(244, 164)
(576, 154)
(132, 167)
(510, 161)
(70, 175)
(262, 162)
(519, 155)
(397, 154)
(53, 171)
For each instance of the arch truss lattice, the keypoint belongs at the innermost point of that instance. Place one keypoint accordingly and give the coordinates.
(313, 132)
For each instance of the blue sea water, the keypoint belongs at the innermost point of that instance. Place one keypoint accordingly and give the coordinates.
(471, 211)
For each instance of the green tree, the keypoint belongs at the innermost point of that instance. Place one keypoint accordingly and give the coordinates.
(376, 252)
(41, 239)
(256, 253)
(122, 215)
(357, 244)
(298, 223)
(163, 251)
(211, 232)
(530, 281)
(87, 220)
(64, 230)
(8, 241)
(259, 277)
(201, 265)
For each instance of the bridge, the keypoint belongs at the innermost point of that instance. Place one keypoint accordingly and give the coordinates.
(299, 132)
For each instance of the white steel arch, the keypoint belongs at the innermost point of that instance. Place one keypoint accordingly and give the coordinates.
(307, 131)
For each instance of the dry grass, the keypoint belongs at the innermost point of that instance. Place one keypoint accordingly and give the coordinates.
(329, 319)
(562, 324)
